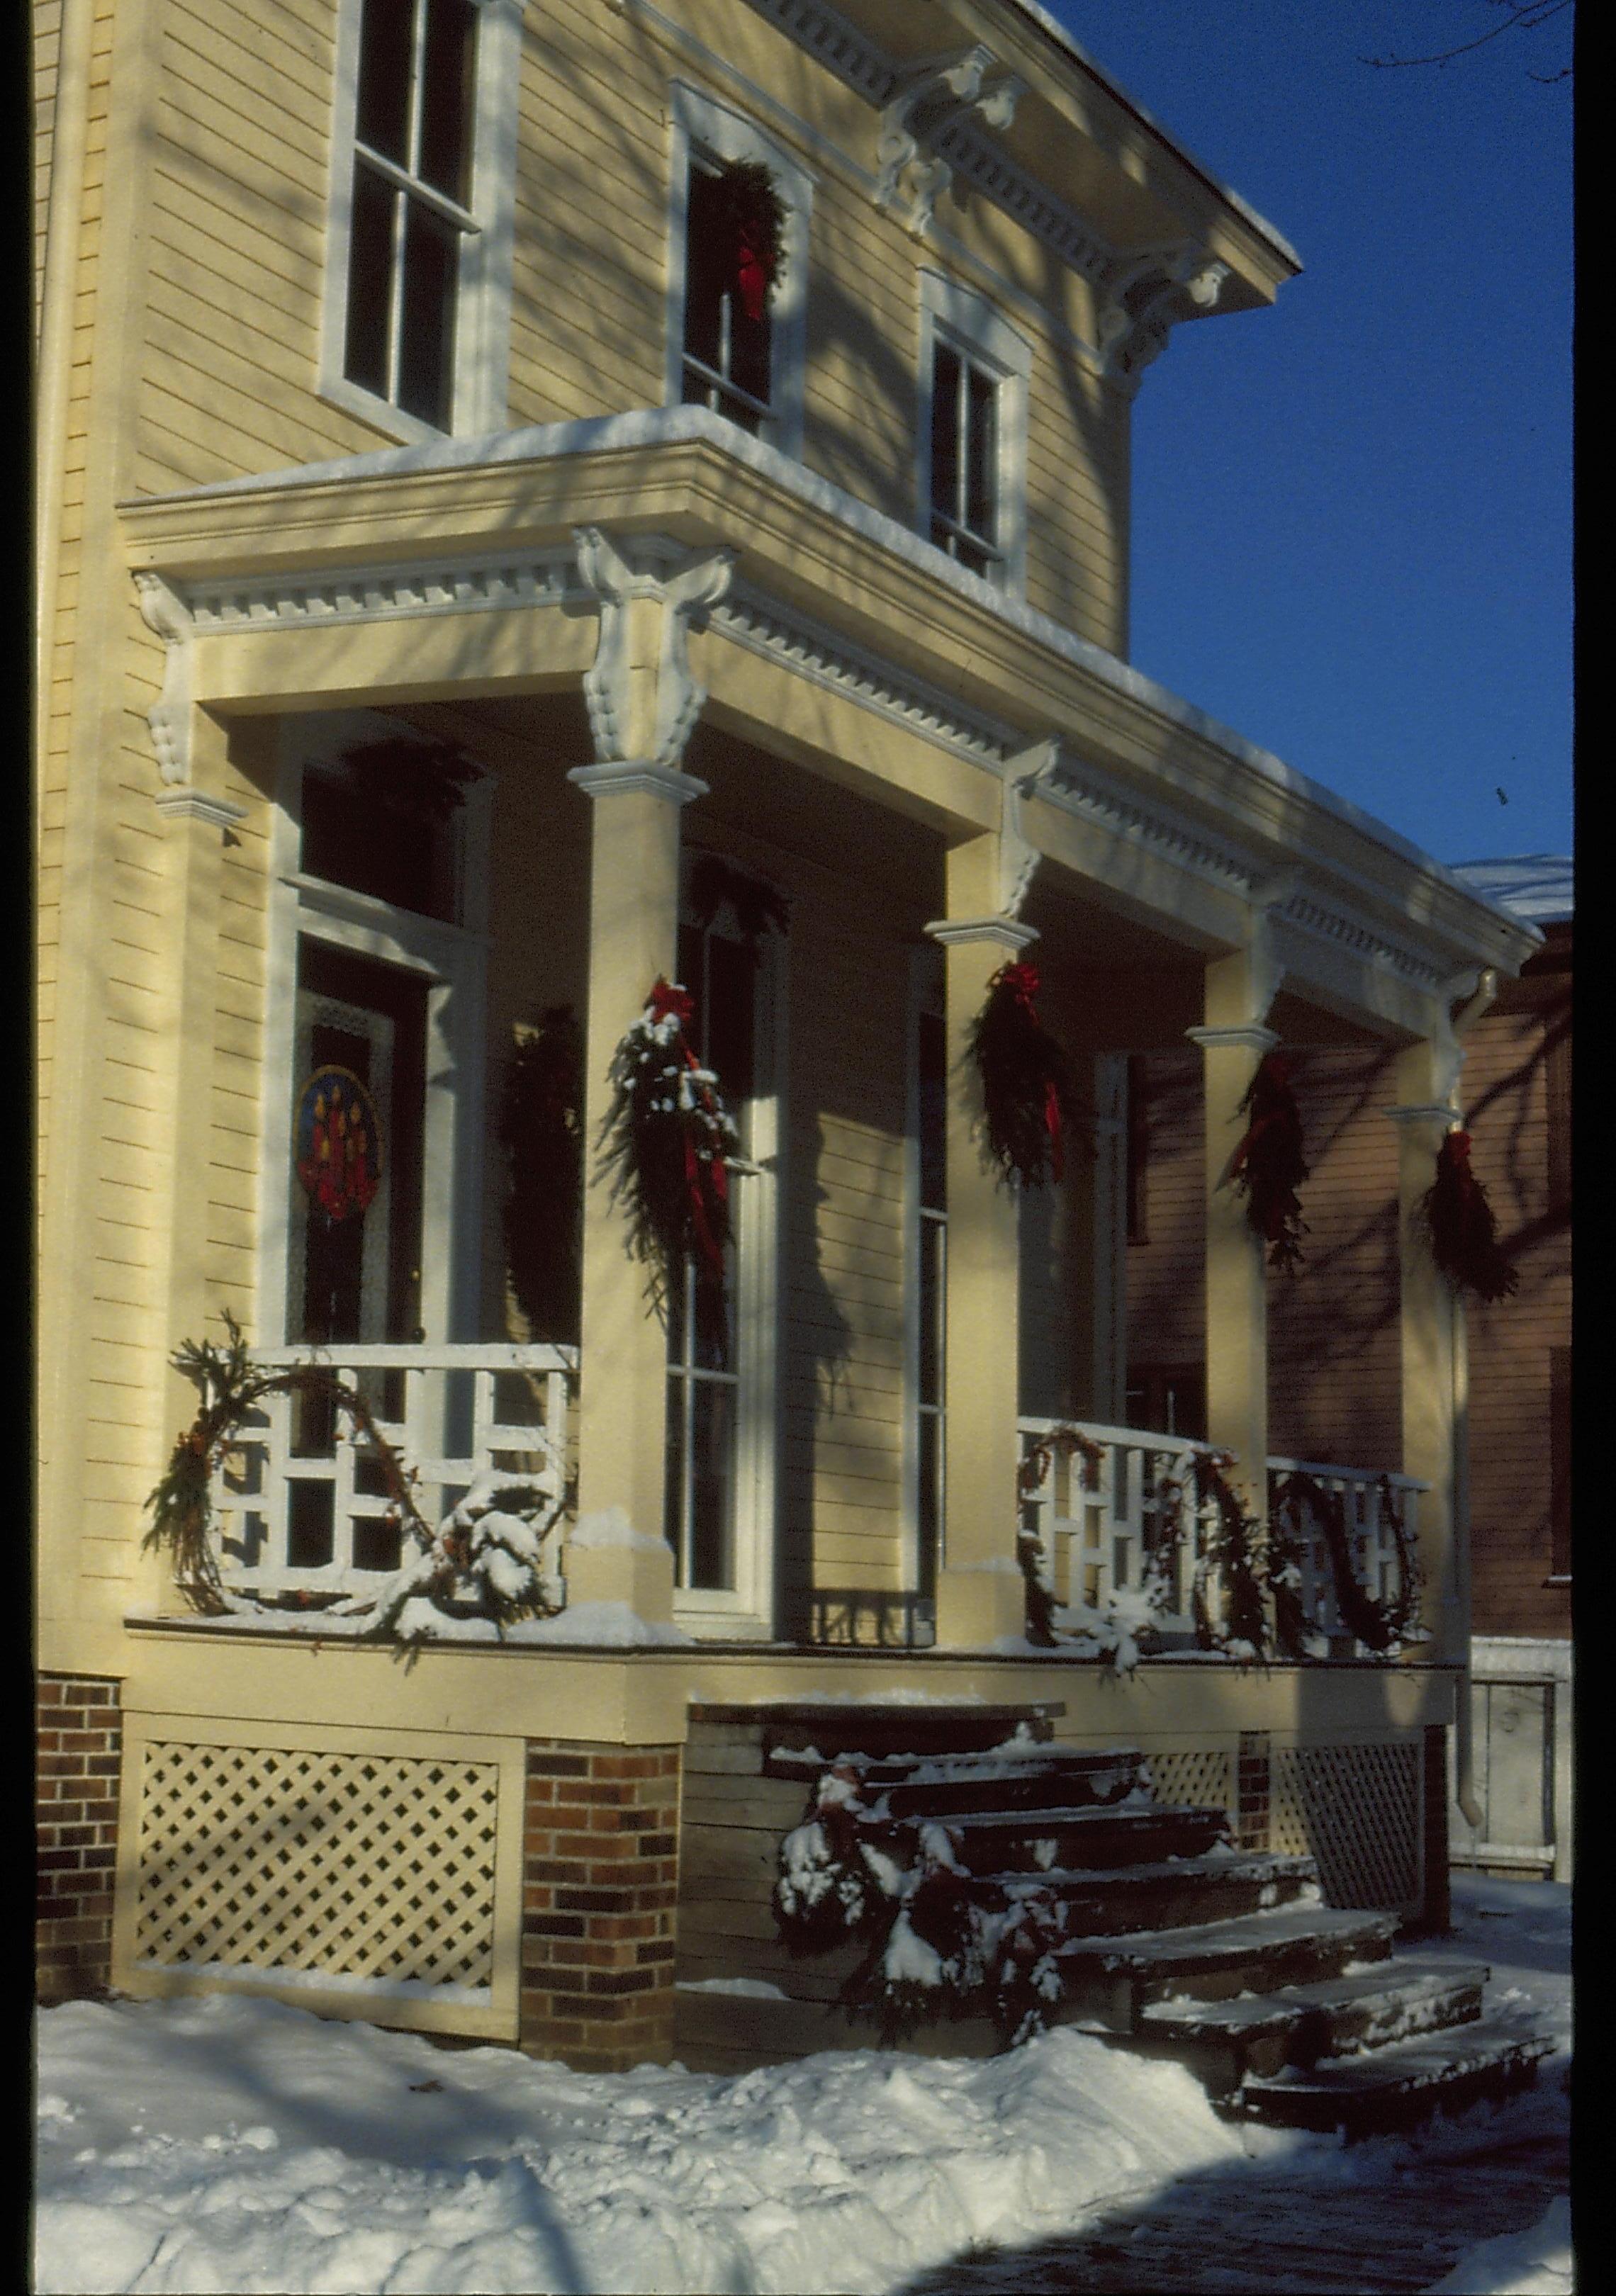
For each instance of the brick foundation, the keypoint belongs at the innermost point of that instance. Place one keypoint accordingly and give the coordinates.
(1252, 1780)
(600, 1887)
(78, 1769)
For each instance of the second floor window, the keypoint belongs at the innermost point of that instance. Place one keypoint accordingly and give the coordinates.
(964, 457)
(728, 352)
(411, 218)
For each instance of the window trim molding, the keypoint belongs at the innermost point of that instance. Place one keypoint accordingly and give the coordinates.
(972, 326)
(699, 119)
(482, 326)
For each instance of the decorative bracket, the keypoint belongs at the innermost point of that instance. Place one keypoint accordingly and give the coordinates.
(642, 698)
(1018, 858)
(1269, 896)
(930, 98)
(1478, 988)
(1147, 298)
(164, 613)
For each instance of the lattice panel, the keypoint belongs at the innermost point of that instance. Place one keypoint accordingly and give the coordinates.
(1200, 1779)
(1356, 1809)
(363, 1867)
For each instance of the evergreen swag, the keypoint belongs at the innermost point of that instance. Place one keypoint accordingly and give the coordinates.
(754, 221)
(1463, 1233)
(484, 1560)
(666, 1139)
(541, 1128)
(1027, 1087)
(1379, 1624)
(1267, 1165)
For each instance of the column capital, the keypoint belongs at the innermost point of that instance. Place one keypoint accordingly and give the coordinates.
(1254, 1038)
(179, 801)
(1435, 1111)
(1002, 932)
(626, 776)
(642, 696)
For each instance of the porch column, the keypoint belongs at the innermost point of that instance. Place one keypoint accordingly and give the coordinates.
(1232, 1044)
(980, 1592)
(643, 703)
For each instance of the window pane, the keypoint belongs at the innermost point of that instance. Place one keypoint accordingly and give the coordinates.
(731, 989)
(426, 354)
(704, 275)
(673, 1494)
(749, 352)
(945, 432)
(446, 85)
(933, 1091)
(933, 1242)
(982, 441)
(710, 1486)
(370, 274)
(391, 851)
(381, 118)
(930, 1497)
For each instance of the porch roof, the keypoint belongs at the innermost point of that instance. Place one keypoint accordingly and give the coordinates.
(688, 474)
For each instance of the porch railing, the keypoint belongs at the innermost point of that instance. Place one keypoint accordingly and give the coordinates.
(1368, 1499)
(1107, 1508)
(301, 1504)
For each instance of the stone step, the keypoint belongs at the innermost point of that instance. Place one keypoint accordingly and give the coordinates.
(1033, 1841)
(1224, 2041)
(1108, 1981)
(1164, 1894)
(1406, 2081)
(833, 1727)
(1016, 1778)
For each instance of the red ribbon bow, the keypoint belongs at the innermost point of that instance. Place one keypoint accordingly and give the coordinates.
(751, 280)
(668, 999)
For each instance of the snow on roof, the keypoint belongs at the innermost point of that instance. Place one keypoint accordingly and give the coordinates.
(1535, 886)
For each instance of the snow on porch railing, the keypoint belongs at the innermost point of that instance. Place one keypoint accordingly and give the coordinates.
(300, 1505)
(1114, 1514)
(1368, 1498)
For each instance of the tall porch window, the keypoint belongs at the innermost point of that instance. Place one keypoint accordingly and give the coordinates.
(728, 354)
(970, 442)
(929, 1264)
(720, 1347)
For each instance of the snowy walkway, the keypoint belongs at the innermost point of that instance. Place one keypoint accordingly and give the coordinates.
(224, 2143)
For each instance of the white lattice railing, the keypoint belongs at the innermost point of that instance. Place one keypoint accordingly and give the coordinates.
(1106, 1507)
(1371, 1537)
(300, 1502)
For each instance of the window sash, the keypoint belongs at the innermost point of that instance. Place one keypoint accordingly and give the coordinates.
(964, 457)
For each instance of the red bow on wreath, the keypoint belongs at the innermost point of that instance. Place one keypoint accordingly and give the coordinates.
(1268, 1164)
(1464, 1234)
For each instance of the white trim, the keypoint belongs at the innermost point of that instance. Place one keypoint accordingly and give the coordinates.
(970, 323)
(482, 327)
(453, 963)
(693, 118)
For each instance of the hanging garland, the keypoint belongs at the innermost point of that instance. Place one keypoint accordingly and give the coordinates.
(754, 219)
(1267, 1165)
(541, 1128)
(1027, 1091)
(1028, 1547)
(759, 908)
(1232, 1552)
(1463, 1233)
(1379, 1624)
(667, 1138)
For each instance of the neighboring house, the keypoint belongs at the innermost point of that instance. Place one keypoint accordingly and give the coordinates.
(402, 390)
(1518, 1091)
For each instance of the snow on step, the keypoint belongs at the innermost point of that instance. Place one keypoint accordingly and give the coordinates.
(1036, 1839)
(1214, 1948)
(1419, 1990)
(1383, 2086)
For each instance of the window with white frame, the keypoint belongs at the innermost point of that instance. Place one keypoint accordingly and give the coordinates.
(926, 1348)
(745, 366)
(972, 436)
(417, 313)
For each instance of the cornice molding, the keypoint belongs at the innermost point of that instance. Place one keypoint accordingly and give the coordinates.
(1253, 1037)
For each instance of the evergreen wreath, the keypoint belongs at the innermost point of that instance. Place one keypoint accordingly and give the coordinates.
(231, 1387)
(754, 219)
(1267, 1165)
(1027, 1090)
(541, 1128)
(1379, 1624)
(667, 1140)
(1463, 1232)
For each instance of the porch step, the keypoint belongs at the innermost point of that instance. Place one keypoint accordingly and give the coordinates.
(833, 1727)
(1014, 1776)
(1404, 2081)
(1168, 1894)
(1036, 1840)
(1302, 2025)
(1107, 1982)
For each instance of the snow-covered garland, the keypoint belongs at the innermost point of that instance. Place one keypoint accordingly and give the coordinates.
(1381, 1624)
(939, 1944)
(485, 1561)
(1026, 1079)
(1463, 1233)
(667, 1138)
(1268, 1166)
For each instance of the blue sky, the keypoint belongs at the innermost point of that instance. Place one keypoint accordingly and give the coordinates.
(1352, 512)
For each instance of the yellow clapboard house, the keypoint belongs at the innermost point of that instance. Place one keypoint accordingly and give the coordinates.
(403, 397)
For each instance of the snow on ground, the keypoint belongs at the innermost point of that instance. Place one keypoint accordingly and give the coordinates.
(228, 2141)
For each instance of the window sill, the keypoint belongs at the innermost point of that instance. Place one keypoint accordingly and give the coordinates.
(392, 422)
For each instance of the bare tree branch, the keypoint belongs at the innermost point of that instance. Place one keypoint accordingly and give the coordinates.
(1522, 16)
